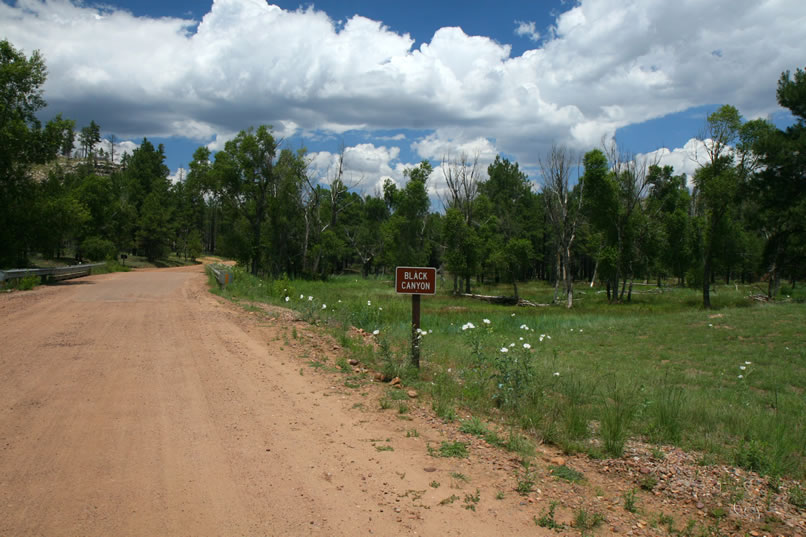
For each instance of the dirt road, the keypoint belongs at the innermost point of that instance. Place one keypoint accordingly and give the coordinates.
(139, 404)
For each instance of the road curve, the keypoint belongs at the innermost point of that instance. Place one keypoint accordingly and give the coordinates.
(139, 404)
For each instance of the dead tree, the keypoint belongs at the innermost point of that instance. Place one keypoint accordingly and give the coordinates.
(563, 206)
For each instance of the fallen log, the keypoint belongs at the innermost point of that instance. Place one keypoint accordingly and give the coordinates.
(503, 300)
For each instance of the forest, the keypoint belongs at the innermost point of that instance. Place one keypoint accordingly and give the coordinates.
(603, 215)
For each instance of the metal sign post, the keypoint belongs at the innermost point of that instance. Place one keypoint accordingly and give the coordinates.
(415, 281)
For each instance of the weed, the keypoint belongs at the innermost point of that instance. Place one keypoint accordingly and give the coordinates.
(471, 500)
(619, 409)
(434, 484)
(729, 486)
(444, 410)
(359, 406)
(474, 426)
(629, 501)
(717, 513)
(395, 394)
(648, 482)
(384, 448)
(585, 521)
(402, 408)
(519, 444)
(797, 497)
(385, 403)
(751, 455)
(459, 476)
(657, 453)
(412, 433)
(667, 414)
(567, 473)
(449, 500)
(547, 520)
(344, 365)
(499, 495)
(26, 283)
(526, 479)
(449, 449)
(294, 334)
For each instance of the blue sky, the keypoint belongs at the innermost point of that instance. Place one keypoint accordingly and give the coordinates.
(400, 82)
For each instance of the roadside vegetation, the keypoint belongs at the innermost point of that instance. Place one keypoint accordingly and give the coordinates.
(727, 382)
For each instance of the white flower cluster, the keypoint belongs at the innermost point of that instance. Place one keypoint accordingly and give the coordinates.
(468, 326)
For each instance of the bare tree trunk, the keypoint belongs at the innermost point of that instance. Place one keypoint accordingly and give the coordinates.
(557, 280)
(569, 279)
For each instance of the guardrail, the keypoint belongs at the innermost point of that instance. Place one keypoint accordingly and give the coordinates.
(53, 273)
(222, 273)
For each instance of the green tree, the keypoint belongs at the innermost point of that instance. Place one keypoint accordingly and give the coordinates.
(89, 137)
(405, 231)
(779, 186)
(248, 179)
(22, 143)
(729, 161)
(507, 209)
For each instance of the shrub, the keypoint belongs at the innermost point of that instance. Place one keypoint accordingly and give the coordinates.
(98, 249)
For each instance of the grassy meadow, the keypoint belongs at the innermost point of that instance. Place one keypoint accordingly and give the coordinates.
(728, 382)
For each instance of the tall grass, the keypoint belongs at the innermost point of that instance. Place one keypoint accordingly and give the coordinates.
(660, 368)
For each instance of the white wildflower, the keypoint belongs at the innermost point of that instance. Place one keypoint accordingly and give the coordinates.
(486, 321)
(324, 306)
(287, 298)
(742, 367)
(376, 332)
(556, 373)
(527, 346)
(748, 363)
(511, 345)
(504, 349)
(369, 302)
(301, 297)
(740, 376)
(310, 298)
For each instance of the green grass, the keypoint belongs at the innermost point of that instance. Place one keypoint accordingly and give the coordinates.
(567, 474)
(660, 368)
(449, 449)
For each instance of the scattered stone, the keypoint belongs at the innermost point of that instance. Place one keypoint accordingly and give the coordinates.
(411, 393)
(353, 361)
(429, 469)
(557, 461)
(395, 381)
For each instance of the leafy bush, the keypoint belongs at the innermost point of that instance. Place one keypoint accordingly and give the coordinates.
(98, 249)
(27, 283)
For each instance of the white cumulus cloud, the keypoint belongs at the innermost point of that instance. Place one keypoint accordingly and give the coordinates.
(605, 64)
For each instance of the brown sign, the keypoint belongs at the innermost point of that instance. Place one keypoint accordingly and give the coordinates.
(416, 280)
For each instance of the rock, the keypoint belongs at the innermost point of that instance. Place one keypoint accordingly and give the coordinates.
(395, 381)
(353, 361)
(557, 461)
(429, 469)
(644, 470)
(700, 505)
(411, 393)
